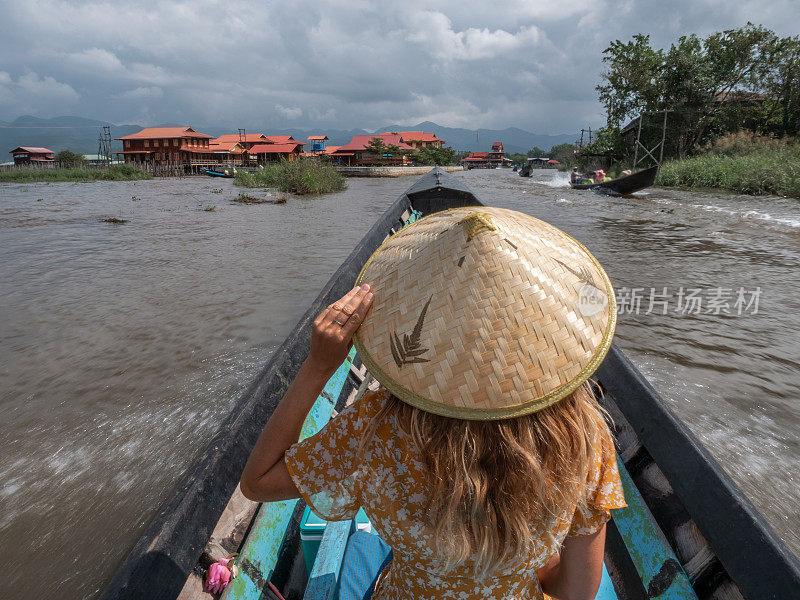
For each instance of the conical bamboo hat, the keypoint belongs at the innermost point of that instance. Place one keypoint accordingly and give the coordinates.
(484, 313)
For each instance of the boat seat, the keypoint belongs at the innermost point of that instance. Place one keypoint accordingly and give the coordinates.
(656, 563)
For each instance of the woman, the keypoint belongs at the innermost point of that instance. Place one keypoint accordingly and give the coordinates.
(485, 461)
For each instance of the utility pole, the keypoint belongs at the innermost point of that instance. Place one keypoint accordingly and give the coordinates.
(580, 143)
(104, 145)
(243, 144)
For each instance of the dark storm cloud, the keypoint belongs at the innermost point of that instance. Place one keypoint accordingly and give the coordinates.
(339, 64)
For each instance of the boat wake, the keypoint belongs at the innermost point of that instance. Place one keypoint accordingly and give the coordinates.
(742, 215)
(745, 215)
(559, 180)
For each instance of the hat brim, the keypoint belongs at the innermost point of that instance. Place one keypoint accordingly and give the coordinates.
(495, 413)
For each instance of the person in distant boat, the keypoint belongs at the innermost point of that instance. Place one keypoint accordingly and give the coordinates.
(484, 462)
(576, 175)
(598, 175)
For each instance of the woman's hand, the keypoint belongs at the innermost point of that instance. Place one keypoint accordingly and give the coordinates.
(265, 477)
(333, 330)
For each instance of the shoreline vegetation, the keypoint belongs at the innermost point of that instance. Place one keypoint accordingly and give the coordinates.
(302, 176)
(739, 163)
(77, 174)
(723, 110)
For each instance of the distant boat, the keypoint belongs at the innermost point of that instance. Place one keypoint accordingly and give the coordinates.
(622, 185)
(228, 172)
(526, 170)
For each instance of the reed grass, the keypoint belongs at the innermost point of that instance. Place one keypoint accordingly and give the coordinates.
(740, 163)
(77, 174)
(302, 176)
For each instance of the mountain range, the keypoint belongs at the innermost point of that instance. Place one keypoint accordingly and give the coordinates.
(81, 135)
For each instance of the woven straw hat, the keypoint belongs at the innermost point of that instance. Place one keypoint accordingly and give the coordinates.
(484, 313)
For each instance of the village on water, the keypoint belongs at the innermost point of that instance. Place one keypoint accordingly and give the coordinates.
(194, 151)
(400, 301)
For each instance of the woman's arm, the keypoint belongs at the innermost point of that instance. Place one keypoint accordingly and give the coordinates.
(265, 477)
(575, 574)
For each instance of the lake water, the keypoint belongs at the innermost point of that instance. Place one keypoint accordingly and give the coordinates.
(122, 346)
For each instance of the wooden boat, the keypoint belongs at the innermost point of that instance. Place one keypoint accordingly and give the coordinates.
(688, 532)
(526, 170)
(228, 172)
(622, 185)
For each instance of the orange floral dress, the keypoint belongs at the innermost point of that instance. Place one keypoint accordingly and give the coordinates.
(389, 482)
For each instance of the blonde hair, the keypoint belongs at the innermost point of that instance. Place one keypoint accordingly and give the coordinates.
(489, 482)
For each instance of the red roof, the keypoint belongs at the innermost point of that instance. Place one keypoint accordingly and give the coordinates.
(416, 136)
(258, 138)
(165, 132)
(318, 137)
(229, 147)
(479, 155)
(135, 152)
(331, 149)
(553, 162)
(359, 142)
(30, 150)
(275, 148)
(283, 139)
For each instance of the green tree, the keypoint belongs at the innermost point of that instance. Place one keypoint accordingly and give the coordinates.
(430, 155)
(377, 147)
(537, 152)
(564, 153)
(780, 78)
(607, 141)
(65, 158)
(738, 78)
(631, 80)
(395, 150)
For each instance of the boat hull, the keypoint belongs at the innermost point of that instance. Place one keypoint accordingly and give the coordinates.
(622, 186)
(210, 173)
(707, 534)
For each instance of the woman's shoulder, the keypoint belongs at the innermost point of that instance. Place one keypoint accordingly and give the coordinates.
(370, 404)
(360, 415)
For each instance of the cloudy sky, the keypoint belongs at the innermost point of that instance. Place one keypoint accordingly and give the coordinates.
(338, 64)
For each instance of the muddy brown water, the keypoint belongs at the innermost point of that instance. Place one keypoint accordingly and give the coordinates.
(122, 346)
